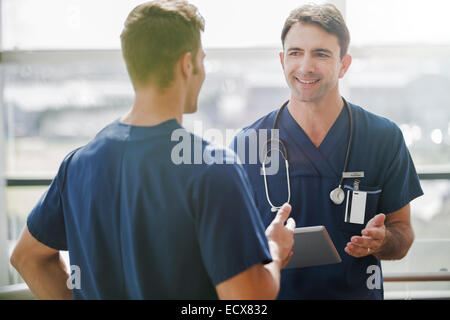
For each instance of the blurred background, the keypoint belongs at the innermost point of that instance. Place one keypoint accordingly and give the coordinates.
(62, 79)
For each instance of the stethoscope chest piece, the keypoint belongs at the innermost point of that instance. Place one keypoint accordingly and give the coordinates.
(337, 195)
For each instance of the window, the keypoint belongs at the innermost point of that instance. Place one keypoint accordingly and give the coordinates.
(62, 79)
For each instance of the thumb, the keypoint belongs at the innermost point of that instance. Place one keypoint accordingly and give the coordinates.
(283, 213)
(290, 224)
(378, 220)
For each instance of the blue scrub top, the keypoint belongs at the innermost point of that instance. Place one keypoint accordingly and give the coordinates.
(140, 226)
(390, 178)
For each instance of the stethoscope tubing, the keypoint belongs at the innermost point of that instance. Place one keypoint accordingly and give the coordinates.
(284, 153)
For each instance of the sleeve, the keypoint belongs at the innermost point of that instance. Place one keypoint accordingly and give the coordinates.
(229, 229)
(401, 183)
(240, 146)
(46, 220)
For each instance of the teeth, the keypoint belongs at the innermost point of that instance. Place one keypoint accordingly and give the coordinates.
(307, 82)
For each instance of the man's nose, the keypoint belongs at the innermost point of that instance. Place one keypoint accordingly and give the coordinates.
(307, 65)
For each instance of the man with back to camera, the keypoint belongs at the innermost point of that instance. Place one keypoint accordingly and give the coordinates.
(137, 225)
(363, 202)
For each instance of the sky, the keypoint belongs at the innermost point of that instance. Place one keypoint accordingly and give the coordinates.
(81, 24)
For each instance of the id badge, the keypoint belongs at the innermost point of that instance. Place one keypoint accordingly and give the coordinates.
(355, 209)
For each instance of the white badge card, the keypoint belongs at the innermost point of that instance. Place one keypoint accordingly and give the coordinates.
(355, 208)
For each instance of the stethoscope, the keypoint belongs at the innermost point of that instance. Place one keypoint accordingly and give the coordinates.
(337, 195)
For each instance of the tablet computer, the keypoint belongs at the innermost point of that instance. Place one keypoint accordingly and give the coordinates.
(313, 247)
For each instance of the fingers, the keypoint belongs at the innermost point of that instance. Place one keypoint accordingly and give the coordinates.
(365, 242)
(374, 233)
(280, 234)
(379, 219)
(356, 251)
(288, 258)
(372, 238)
(376, 221)
(290, 224)
(283, 213)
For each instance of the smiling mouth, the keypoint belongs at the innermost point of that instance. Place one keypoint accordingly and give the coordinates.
(307, 81)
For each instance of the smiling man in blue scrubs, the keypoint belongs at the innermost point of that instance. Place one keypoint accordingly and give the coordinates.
(138, 224)
(372, 220)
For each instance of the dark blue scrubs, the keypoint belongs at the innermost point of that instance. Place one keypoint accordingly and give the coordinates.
(141, 226)
(390, 179)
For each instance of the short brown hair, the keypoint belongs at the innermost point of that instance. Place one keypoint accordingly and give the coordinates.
(325, 16)
(155, 36)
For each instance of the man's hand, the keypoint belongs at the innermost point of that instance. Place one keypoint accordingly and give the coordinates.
(262, 281)
(281, 236)
(372, 240)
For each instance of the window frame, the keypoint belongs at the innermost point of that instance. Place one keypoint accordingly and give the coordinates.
(4, 257)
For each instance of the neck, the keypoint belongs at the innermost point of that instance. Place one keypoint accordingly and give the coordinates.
(152, 107)
(316, 118)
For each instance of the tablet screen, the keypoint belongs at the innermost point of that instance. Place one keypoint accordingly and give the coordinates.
(313, 247)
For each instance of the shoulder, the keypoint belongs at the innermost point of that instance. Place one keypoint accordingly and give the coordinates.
(79, 156)
(265, 122)
(375, 125)
(68, 159)
(219, 160)
(219, 164)
(252, 131)
(62, 171)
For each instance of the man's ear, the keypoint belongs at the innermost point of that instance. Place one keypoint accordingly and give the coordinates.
(186, 64)
(281, 54)
(346, 62)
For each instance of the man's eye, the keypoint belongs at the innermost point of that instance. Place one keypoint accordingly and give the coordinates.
(294, 53)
